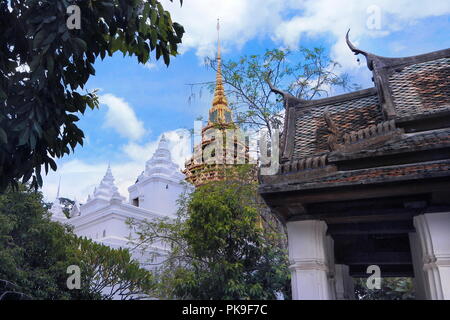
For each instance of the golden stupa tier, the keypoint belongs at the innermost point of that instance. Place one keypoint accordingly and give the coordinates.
(214, 157)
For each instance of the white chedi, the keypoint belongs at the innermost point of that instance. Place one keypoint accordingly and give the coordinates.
(107, 188)
(161, 164)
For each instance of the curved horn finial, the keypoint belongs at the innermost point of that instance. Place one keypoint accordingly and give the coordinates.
(351, 46)
(289, 99)
(369, 57)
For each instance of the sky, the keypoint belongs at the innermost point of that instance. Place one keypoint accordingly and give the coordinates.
(139, 103)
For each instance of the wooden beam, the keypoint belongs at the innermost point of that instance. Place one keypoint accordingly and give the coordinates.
(374, 258)
(356, 192)
(391, 227)
(366, 216)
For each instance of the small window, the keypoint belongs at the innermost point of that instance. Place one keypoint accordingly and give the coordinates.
(136, 202)
(167, 186)
(104, 233)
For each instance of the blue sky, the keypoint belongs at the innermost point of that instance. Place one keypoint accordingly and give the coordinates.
(140, 103)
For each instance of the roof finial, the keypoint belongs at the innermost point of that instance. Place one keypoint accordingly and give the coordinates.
(351, 46)
(369, 57)
(220, 112)
(218, 39)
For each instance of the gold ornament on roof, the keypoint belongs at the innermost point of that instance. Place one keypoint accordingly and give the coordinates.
(219, 112)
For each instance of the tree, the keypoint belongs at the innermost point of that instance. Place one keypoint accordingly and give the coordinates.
(250, 81)
(36, 252)
(44, 67)
(110, 273)
(218, 248)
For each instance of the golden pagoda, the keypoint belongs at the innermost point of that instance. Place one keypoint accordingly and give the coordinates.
(216, 154)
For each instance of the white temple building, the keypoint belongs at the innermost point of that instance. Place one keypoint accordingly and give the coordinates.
(104, 215)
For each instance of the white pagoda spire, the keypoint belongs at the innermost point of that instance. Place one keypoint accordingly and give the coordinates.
(161, 164)
(107, 188)
(162, 152)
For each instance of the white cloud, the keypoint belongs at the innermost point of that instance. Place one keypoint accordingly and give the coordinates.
(287, 22)
(240, 21)
(333, 18)
(151, 65)
(120, 116)
(79, 178)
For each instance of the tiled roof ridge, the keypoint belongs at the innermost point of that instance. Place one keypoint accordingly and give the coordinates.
(305, 104)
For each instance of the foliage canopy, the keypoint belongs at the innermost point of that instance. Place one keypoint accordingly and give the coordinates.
(35, 253)
(218, 248)
(44, 67)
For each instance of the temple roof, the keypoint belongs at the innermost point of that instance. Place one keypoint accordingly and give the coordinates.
(368, 162)
(403, 120)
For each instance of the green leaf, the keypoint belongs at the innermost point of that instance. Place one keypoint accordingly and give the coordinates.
(39, 37)
(2, 94)
(50, 64)
(3, 136)
(24, 136)
(80, 43)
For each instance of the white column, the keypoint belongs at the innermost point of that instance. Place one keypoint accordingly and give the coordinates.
(306, 242)
(345, 289)
(433, 230)
(329, 252)
(417, 260)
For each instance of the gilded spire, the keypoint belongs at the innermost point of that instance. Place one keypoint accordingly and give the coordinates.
(219, 112)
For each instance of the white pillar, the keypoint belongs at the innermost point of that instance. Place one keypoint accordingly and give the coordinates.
(329, 252)
(433, 230)
(417, 260)
(306, 242)
(345, 289)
